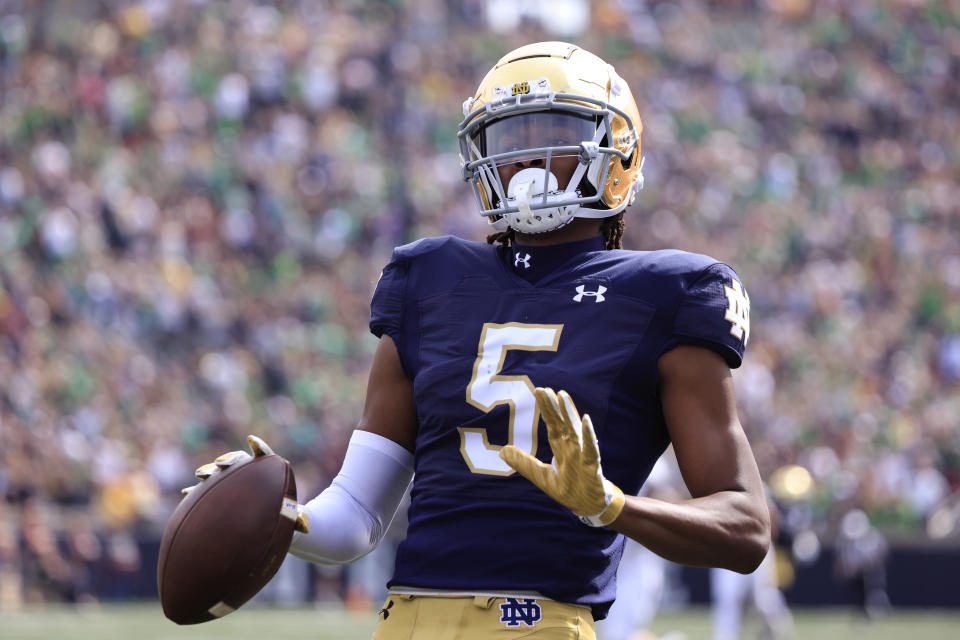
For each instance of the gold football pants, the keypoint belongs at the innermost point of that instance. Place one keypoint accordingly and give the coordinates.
(407, 617)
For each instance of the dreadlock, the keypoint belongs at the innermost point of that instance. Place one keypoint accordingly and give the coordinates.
(505, 238)
(611, 228)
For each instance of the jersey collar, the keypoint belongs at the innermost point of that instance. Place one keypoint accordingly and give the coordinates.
(533, 263)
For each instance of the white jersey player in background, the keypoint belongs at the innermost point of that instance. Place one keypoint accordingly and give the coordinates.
(642, 577)
(732, 593)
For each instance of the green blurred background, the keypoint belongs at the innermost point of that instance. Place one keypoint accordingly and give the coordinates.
(197, 197)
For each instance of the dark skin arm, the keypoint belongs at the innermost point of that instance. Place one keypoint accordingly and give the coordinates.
(389, 410)
(726, 522)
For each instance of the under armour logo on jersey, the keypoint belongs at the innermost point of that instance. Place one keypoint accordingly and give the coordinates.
(522, 260)
(515, 612)
(596, 295)
(738, 311)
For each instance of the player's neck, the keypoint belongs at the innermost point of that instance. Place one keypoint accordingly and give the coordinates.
(579, 229)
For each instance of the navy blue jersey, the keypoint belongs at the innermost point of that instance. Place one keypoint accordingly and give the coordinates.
(476, 336)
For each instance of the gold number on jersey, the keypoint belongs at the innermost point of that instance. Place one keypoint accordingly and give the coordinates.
(489, 388)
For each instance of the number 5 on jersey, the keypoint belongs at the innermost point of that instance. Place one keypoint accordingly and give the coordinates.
(489, 388)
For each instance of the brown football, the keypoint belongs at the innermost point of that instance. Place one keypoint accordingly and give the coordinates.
(226, 539)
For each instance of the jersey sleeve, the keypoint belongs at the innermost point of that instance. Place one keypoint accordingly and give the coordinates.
(715, 313)
(386, 307)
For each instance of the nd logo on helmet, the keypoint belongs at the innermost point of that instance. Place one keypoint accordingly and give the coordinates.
(520, 88)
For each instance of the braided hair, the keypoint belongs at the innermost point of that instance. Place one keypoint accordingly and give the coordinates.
(611, 228)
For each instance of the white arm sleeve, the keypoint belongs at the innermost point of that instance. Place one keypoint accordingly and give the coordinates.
(348, 519)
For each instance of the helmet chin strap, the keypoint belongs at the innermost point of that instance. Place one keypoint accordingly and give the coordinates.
(530, 179)
(540, 186)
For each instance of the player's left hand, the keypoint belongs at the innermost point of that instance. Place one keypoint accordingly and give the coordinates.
(575, 479)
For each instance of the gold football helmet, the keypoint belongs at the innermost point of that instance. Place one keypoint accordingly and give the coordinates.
(539, 104)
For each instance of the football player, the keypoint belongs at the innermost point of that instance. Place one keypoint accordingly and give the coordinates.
(514, 525)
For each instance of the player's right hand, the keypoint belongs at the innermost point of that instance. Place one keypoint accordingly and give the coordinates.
(258, 448)
(575, 478)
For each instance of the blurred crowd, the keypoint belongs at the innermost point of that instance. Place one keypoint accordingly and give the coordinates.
(197, 197)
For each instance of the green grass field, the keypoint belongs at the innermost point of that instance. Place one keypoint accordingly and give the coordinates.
(146, 622)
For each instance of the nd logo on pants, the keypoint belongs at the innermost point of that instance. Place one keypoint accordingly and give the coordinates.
(409, 617)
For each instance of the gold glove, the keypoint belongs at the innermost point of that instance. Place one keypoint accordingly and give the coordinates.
(225, 461)
(575, 479)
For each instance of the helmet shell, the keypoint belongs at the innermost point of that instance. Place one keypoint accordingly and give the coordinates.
(571, 70)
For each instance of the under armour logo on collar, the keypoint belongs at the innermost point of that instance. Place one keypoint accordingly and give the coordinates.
(524, 259)
(596, 295)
